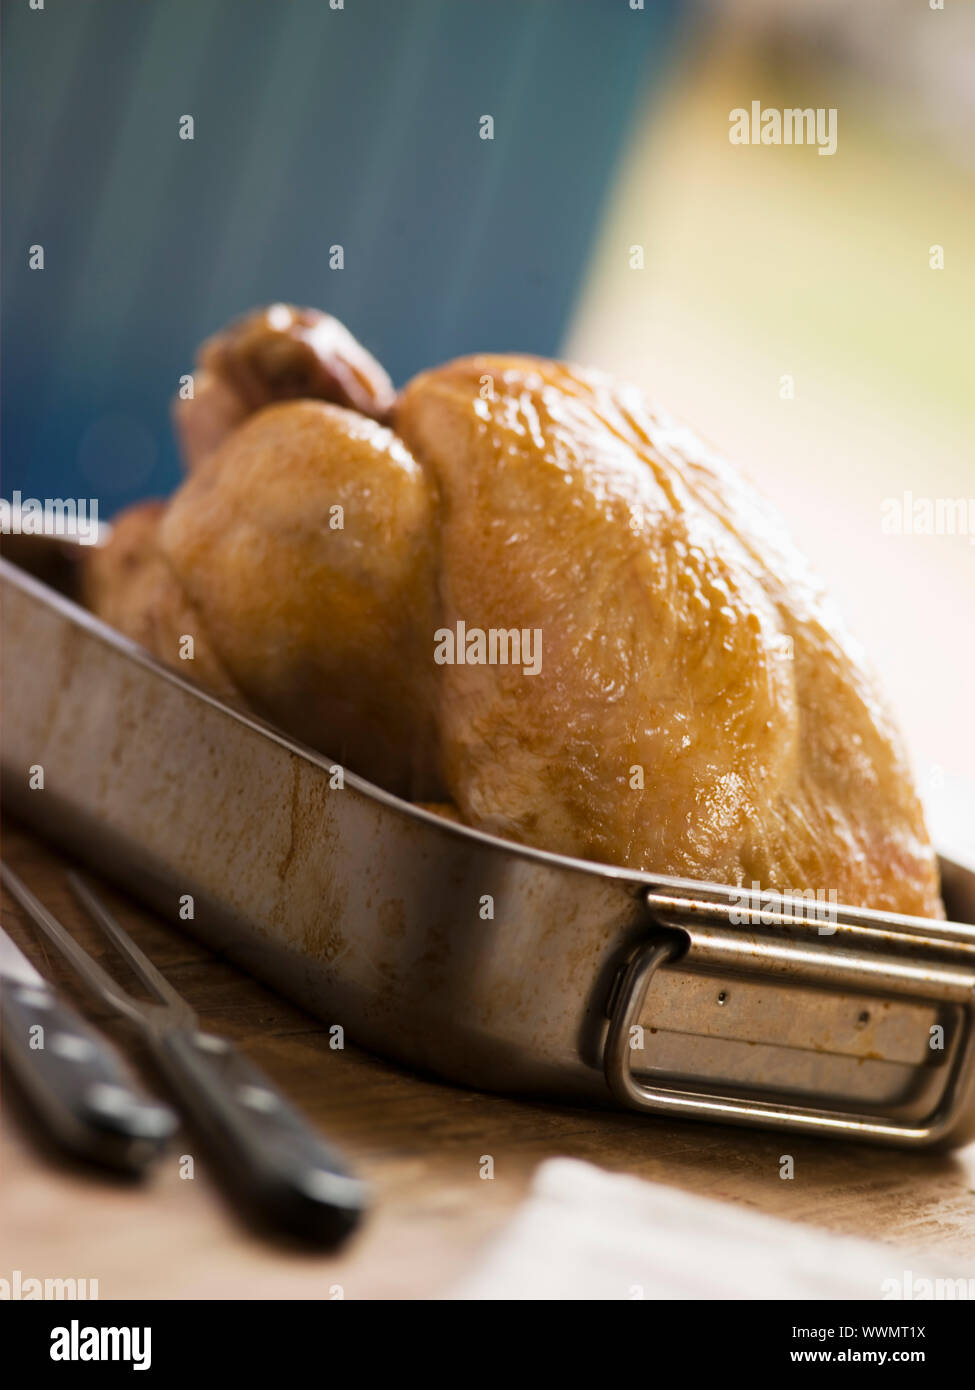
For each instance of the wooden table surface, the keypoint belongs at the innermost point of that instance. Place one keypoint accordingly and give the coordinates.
(418, 1141)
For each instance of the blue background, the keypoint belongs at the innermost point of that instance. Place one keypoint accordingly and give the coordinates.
(312, 127)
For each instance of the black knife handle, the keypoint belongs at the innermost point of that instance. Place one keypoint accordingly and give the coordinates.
(75, 1079)
(265, 1147)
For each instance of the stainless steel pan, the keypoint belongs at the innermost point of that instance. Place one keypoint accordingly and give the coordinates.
(587, 981)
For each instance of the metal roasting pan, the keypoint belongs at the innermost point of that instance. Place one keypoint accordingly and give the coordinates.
(590, 982)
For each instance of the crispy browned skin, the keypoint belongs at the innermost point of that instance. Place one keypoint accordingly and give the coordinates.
(275, 354)
(666, 595)
(130, 585)
(306, 544)
(700, 709)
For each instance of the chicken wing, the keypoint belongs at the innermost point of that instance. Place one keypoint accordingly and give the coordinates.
(275, 354)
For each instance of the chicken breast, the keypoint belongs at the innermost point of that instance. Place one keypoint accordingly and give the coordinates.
(699, 708)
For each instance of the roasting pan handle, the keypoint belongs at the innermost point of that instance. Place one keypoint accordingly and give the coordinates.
(626, 1003)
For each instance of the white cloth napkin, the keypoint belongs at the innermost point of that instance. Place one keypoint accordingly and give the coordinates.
(584, 1233)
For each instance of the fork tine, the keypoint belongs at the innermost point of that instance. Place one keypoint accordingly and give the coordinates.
(137, 959)
(94, 975)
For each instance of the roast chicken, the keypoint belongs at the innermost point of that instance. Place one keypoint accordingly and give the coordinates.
(518, 592)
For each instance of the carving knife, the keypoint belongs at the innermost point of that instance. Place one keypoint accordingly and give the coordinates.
(72, 1076)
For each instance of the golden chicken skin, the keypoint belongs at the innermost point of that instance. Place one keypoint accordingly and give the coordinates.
(699, 709)
(129, 583)
(549, 609)
(306, 546)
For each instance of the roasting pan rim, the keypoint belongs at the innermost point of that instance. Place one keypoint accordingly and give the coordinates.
(499, 1050)
(633, 881)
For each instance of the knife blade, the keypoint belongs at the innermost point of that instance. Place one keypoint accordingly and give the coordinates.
(72, 1076)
